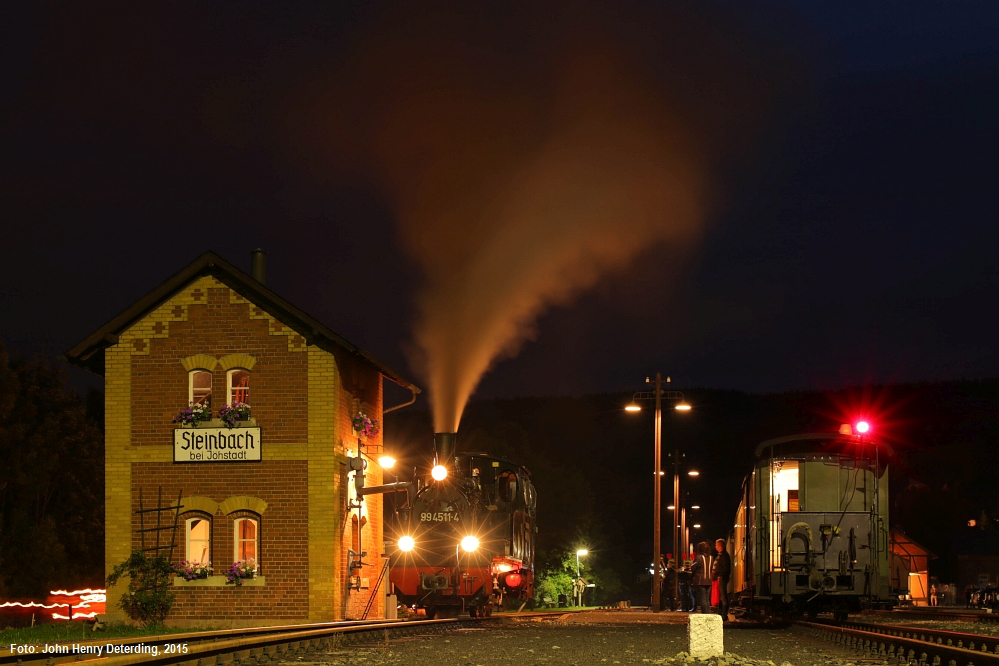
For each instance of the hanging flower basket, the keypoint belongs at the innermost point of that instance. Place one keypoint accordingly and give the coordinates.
(365, 426)
(193, 415)
(230, 414)
(240, 571)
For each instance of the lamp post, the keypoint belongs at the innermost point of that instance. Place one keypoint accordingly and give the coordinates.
(582, 552)
(658, 396)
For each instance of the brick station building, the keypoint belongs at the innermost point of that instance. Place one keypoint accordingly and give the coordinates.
(272, 491)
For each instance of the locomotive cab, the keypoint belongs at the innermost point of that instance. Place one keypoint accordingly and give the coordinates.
(811, 531)
(473, 539)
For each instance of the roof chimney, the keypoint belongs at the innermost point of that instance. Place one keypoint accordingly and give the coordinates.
(258, 266)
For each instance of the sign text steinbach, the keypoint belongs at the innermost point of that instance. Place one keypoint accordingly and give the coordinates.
(216, 445)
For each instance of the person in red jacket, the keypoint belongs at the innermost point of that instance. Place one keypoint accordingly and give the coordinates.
(701, 582)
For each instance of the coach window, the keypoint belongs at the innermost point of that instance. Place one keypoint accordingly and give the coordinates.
(246, 541)
(199, 540)
(239, 386)
(200, 388)
(507, 486)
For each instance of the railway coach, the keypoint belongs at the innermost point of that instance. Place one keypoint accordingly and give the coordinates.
(811, 530)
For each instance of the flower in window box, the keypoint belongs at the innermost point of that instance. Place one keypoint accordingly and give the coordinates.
(365, 426)
(230, 414)
(193, 570)
(193, 415)
(240, 571)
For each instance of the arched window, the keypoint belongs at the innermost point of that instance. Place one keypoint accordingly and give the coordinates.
(246, 537)
(239, 386)
(199, 540)
(200, 387)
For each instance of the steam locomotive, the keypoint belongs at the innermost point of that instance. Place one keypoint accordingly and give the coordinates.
(811, 531)
(467, 543)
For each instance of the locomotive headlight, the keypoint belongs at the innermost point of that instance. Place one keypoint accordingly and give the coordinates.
(863, 427)
(406, 543)
(439, 472)
(469, 544)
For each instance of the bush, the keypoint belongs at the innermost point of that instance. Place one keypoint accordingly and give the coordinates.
(148, 599)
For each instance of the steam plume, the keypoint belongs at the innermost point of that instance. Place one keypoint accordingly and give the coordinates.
(526, 159)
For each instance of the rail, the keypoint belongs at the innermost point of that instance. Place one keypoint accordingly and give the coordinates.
(911, 645)
(250, 645)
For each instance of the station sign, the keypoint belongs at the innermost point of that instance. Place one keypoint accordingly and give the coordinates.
(216, 445)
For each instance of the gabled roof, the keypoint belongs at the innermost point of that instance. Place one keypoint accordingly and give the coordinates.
(902, 544)
(87, 354)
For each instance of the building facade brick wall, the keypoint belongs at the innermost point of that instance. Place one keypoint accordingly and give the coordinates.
(303, 398)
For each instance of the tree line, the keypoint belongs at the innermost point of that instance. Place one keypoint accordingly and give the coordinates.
(51, 481)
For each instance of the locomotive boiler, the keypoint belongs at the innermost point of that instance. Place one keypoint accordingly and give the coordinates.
(467, 543)
(811, 530)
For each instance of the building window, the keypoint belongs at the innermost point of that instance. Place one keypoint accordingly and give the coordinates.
(246, 535)
(200, 388)
(199, 540)
(239, 386)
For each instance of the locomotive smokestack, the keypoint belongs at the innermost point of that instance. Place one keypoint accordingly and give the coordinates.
(445, 444)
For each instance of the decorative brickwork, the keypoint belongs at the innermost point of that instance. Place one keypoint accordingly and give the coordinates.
(243, 503)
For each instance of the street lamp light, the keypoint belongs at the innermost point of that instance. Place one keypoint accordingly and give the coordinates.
(681, 406)
(576, 590)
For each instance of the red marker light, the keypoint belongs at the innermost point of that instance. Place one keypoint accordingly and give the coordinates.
(863, 427)
(513, 580)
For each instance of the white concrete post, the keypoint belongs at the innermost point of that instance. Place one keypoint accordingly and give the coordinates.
(704, 636)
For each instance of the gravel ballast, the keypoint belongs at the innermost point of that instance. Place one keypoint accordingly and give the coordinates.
(624, 638)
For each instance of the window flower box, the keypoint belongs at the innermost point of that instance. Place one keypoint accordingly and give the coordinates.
(193, 414)
(219, 581)
(193, 570)
(231, 415)
(239, 572)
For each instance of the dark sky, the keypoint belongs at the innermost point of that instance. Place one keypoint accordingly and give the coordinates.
(855, 241)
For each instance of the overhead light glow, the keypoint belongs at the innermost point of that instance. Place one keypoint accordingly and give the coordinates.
(387, 462)
(469, 543)
(697, 527)
(682, 407)
(671, 507)
(696, 506)
(693, 472)
(633, 407)
(863, 427)
(582, 551)
(439, 472)
(406, 543)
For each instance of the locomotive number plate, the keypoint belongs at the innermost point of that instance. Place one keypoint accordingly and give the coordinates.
(440, 517)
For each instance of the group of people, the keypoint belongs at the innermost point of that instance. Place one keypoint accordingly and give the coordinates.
(701, 584)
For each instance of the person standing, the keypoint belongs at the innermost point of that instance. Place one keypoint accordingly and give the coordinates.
(701, 573)
(670, 586)
(721, 572)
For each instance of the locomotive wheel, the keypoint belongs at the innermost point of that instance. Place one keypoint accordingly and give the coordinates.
(473, 612)
(431, 613)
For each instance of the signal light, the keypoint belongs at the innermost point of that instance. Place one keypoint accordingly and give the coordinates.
(469, 544)
(513, 580)
(439, 472)
(863, 427)
(406, 543)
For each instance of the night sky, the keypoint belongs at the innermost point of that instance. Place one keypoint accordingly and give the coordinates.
(850, 233)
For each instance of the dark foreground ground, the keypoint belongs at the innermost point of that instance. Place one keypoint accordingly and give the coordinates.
(598, 638)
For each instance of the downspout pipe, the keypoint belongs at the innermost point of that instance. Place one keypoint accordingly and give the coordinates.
(409, 402)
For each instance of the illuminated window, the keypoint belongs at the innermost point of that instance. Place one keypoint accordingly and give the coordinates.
(200, 387)
(246, 540)
(199, 540)
(239, 386)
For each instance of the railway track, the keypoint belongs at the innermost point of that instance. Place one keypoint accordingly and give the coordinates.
(963, 616)
(238, 647)
(912, 645)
